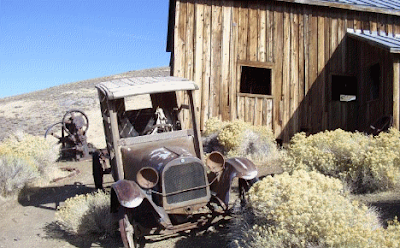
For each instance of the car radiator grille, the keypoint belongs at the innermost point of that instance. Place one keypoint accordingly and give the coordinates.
(184, 182)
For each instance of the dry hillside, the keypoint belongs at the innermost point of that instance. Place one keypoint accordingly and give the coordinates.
(34, 112)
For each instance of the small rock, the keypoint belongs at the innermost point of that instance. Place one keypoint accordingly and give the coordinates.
(211, 229)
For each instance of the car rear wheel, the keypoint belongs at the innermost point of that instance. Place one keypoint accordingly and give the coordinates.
(97, 170)
(244, 187)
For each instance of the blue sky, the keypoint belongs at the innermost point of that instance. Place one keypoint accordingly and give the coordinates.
(44, 43)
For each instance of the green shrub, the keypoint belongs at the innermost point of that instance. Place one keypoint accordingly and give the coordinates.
(366, 163)
(308, 209)
(87, 214)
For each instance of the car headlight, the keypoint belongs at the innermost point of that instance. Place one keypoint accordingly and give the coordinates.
(216, 162)
(147, 177)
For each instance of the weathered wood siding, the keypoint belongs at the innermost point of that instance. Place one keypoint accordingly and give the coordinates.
(304, 45)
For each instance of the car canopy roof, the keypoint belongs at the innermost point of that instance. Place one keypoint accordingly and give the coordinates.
(131, 86)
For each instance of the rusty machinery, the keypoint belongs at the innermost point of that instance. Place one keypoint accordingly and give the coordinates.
(73, 140)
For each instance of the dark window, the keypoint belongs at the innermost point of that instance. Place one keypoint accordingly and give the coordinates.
(344, 88)
(374, 81)
(255, 80)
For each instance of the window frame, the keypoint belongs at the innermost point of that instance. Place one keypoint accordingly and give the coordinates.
(262, 65)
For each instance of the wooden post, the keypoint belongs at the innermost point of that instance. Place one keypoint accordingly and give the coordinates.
(196, 127)
(396, 82)
(116, 160)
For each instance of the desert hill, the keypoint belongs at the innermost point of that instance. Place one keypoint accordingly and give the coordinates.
(34, 112)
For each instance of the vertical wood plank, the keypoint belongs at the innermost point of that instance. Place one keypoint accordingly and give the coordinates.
(320, 68)
(313, 73)
(270, 116)
(326, 71)
(247, 109)
(264, 113)
(257, 117)
(278, 47)
(301, 95)
(259, 112)
(286, 72)
(198, 57)
(233, 62)
(189, 55)
(241, 105)
(343, 30)
(294, 66)
(252, 109)
(216, 38)
(180, 45)
(390, 24)
(243, 31)
(262, 33)
(205, 100)
(226, 35)
(306, 115)
(253, 32)
(270, 32)
(373, 22)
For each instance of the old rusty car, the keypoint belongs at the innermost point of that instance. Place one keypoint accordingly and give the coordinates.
(163, 185)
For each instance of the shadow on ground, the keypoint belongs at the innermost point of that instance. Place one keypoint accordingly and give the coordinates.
(214, 239)
(54, 230)
(51, 197)
(388, 209)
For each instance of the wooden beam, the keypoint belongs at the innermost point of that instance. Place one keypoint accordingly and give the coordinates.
(331, 4)
(396, 82)
(196, 127)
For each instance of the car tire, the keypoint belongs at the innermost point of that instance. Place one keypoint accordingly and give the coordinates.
(128, 231)
(97, 170)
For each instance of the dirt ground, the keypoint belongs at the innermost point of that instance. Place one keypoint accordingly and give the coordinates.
(28, 220)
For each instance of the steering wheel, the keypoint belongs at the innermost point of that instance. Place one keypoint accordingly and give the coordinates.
(160, 128)
(79, 118)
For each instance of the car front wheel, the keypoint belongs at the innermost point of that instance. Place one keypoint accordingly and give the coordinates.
(128, 233)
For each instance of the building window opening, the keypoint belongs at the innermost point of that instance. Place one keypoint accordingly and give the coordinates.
(255, 80)
(344, 88)
(374, 81)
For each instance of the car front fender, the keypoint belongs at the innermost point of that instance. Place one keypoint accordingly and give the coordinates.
(129, 194)
(241, 168)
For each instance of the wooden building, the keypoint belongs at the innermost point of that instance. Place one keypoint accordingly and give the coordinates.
(293, 65)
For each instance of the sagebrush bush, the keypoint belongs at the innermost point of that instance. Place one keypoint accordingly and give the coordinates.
(15, 173)
(213, 125)
(366, 163)
(308, 209)
(26, 159)
(35, 149)
(240, 138)
(87, 214)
